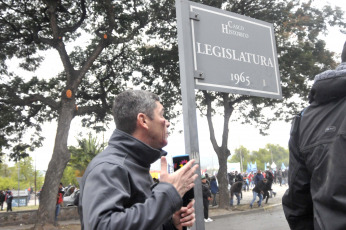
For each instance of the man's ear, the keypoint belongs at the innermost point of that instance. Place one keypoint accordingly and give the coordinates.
(142, 121)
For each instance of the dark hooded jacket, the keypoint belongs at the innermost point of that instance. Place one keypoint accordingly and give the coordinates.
(270, 178)
(117, 190)
(316, 198)
(260, 187)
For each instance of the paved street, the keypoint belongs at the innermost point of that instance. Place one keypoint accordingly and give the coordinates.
(267, 218)
(240, 217)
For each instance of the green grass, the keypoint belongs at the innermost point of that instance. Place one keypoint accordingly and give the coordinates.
(24, 208)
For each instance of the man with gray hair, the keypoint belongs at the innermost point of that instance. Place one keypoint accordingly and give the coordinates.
(117, 190)
(316, 197)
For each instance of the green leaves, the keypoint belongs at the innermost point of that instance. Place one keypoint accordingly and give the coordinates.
(95, 67)
(86, 150)
(270, 153)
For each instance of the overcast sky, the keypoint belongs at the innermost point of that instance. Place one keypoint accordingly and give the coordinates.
(245, 135)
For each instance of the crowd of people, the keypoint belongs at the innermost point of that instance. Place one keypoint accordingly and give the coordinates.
(260, 183)
(6, 197)
(251, 179)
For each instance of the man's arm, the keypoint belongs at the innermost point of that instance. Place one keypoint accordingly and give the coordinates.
(106, 202)
(297, 201)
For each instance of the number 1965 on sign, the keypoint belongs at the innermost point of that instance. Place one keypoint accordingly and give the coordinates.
(237, 78)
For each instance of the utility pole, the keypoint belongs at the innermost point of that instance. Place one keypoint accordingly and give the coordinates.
(271, 154)
(241, 160)
(18, 179)
(35, 179)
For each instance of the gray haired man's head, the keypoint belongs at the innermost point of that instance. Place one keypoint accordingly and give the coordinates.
(128, 104)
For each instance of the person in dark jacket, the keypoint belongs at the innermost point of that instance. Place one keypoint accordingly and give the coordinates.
(258, 190)
(8, 199)
(231, 178)
(258, 177)
(280, 177)
(117, 190)
(236, 190)
(206, 198)
(2, 200)
(208, 179)
(238, 177)
(270, 178)
(316, 197)
(214, 189)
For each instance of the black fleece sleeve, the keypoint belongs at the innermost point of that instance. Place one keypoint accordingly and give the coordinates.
(297, 201)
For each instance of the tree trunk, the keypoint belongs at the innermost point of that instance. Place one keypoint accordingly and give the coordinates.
(221, 151)
(60, 157)
(223, 182)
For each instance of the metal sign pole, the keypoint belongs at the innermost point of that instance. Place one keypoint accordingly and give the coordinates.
(189, 102)
(224, 52)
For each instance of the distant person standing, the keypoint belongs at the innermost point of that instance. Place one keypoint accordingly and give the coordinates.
(251, 178)
(206, 198)
(231, 178)
(59, 202)
(214, 189)
(9, 198)
(238, 177)
(2, 200)
(208, 179)
(284, 177)
(280, 176)
(316, 194)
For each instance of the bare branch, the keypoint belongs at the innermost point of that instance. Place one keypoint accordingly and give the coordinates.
(27, 101)
(87, 110)
(59, 45)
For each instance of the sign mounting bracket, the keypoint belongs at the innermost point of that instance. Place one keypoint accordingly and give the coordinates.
(194, 16)
(198, 75)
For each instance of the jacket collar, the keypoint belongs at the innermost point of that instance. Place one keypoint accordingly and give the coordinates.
(139, 151)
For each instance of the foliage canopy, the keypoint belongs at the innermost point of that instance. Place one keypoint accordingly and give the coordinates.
(271, 153)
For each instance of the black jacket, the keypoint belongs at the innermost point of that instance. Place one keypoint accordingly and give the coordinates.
(239, 177)
(231, 178)
(236, 187)
(205, 191)
(260, 187)
(270, 178)
(2, 197)
(117, 190)
(316, 198)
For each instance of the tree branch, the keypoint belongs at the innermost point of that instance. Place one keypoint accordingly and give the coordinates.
(58, 43)
(78, 24)
(27, 101)
(87, 110)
